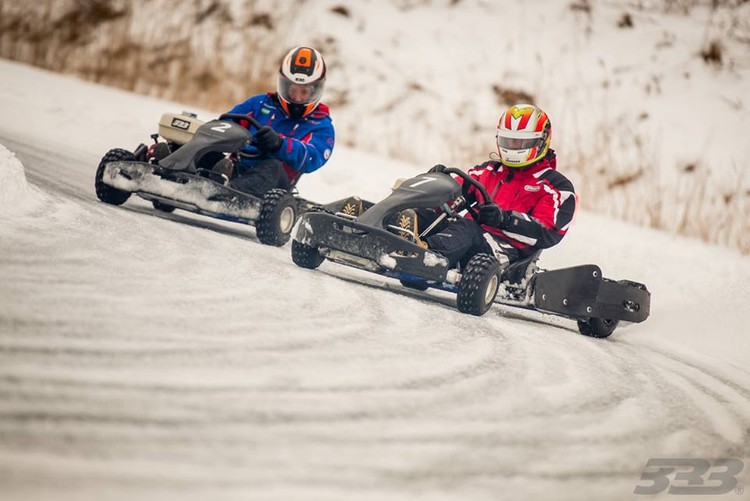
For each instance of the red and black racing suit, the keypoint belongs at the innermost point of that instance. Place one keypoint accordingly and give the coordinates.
(541, 202)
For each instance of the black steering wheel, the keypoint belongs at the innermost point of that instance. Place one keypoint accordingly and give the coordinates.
(239, 117)
(469, 182)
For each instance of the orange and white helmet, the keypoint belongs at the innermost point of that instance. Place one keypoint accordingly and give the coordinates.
(523, 135)
(302, 77)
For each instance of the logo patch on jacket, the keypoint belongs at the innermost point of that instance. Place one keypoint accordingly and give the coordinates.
(529, 187)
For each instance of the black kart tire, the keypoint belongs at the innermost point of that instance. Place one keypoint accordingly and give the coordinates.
(479, 284)
(162, 206)
(306, 256)
(414, 284)
(106, 193)
(597, 327)
(278, 213)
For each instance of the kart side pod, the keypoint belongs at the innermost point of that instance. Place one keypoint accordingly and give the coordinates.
(581, 292)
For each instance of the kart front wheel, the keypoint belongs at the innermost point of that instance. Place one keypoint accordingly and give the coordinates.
(306, 256)
(597, 327)
(479, 284)
(278, 213)
(104, 192)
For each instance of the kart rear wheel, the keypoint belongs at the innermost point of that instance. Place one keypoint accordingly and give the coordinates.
(278, 213)
(162, 206)
(597, 327)
(306, 256)
(106, 193)
(479, 284)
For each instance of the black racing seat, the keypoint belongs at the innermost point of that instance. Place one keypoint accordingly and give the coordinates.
(515, 272)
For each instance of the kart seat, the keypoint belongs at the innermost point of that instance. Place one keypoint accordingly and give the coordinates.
(516, 271)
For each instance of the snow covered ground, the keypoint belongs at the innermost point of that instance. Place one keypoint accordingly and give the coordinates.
(649, 122)
(154, 356)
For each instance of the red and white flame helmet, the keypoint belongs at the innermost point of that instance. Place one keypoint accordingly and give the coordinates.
(523, 135)
(302, 77)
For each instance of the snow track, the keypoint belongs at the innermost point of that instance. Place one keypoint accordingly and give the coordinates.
(149, 355)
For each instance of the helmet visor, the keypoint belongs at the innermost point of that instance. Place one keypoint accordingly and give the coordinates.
(300, 93)
(517, 143)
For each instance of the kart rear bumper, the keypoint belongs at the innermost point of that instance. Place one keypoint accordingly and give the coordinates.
(581, 292)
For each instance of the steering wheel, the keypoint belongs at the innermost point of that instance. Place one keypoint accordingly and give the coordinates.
(242, 120)
(239, 118)
(468, 182)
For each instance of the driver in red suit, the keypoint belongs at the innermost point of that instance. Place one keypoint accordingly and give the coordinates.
(531, 207)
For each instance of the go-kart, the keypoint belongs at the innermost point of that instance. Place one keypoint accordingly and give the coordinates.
(371, 243)
(176, 173)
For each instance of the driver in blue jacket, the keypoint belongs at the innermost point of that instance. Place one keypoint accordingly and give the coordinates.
(296, 136)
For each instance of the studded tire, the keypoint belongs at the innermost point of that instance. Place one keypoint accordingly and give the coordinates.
(278, 213)
(597, 327)
(306, 256)
(106, 193)
(479, 284)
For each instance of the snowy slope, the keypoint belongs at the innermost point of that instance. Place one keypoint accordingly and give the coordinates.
(647, 128)
(153, 356)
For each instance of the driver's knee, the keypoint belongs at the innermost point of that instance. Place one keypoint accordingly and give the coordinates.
(261, 178)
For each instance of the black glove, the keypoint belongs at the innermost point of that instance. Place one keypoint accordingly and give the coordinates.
(268, 139)
(437, 168)
(492, 215)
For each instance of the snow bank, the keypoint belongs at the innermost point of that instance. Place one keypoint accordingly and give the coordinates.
(16, 195)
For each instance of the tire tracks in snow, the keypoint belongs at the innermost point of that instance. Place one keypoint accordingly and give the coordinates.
(176, 353)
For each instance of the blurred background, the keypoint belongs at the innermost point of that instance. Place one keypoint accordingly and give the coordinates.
(649, 99)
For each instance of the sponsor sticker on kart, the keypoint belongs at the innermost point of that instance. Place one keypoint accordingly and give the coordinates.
(180, 124)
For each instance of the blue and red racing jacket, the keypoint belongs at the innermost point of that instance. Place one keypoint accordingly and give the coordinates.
(307, 142)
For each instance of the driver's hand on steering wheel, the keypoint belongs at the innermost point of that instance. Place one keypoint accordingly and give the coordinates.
(268, 139)
(493, 215)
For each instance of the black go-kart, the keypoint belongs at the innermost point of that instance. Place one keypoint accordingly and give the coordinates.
(176, 173)
(371, 243)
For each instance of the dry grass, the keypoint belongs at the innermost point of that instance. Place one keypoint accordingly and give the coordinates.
(625, 21)
(196, 62)
(691, 201)
(713, 53)
(95, 40)
(507, 97)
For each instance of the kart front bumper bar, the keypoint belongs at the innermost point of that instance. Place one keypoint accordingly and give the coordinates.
(389, 252)
(182, 190)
